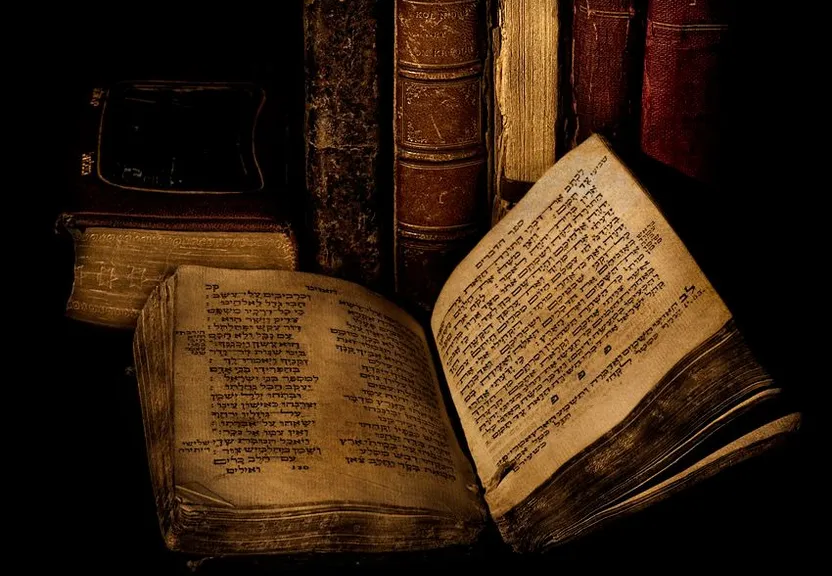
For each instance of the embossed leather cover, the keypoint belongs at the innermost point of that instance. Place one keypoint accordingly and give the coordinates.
(607, 57)
(178, 156)
(686, 64)
(440, 124)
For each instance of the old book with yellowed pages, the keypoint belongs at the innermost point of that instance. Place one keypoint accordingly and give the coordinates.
(173, 173)
(116, 269)
(527, 116)
(591, 365)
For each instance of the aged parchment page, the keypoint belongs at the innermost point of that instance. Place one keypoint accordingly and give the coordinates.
(563, 317)
(294, 390)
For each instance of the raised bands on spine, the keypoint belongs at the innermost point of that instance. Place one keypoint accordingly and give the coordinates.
(439, 128)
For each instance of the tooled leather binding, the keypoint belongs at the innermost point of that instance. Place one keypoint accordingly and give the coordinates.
(685, 68)
(440, 125)
(607, 56)
(110, 192)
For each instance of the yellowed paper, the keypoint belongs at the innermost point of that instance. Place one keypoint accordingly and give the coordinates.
(563, 317)
(526, 87)
(292, 389)
(116, 269)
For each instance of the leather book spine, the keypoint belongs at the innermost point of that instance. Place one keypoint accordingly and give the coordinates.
(440, 127)
(342, 140)
(172, 173)
(685, 71)
(607, 59)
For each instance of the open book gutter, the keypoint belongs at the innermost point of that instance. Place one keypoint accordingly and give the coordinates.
(593, 368)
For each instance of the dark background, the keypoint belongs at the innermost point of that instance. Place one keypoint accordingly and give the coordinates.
(91, 506)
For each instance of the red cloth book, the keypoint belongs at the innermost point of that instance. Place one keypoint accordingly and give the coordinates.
(685, 65)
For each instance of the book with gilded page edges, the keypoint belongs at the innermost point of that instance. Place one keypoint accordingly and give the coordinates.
(528, 117)
(172, 173)
(593, 368)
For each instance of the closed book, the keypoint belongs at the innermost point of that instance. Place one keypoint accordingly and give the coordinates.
(171, 173)
(607, 60)
(686, 64)
(344, 231)
(528, 64)
(440, 144)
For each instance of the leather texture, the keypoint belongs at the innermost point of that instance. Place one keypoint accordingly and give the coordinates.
(343, 141)
(440, 124)
(98, 200)
(607, 57)
(686, 64)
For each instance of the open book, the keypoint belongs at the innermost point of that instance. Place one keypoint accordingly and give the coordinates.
(592, 367)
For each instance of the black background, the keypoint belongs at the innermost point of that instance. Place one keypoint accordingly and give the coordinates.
(89, 505)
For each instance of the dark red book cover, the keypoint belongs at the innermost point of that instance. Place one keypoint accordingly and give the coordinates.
(685, 66)
(607, 57)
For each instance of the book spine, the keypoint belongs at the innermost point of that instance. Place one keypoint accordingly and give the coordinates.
(526, 97)
(439, 133)
(685, 68)
(607, 59)
(343, 140)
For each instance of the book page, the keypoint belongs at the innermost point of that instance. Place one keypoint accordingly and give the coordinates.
(295, 390)
(563, 317)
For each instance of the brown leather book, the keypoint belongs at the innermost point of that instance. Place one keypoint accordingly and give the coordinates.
(439, 129)
(607, 58)
(685, 67)
(170, 173)
(343, 141)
